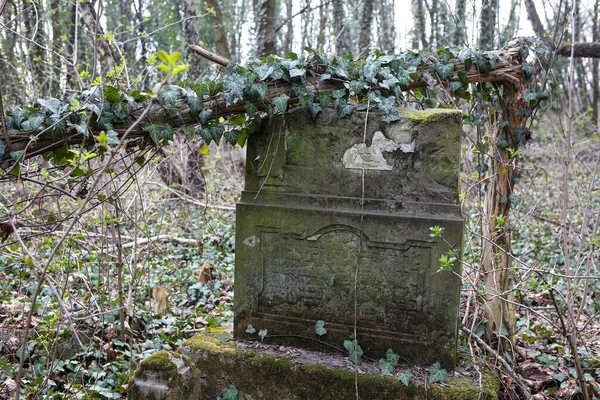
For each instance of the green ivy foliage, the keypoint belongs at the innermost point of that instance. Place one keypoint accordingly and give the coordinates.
(383, 80)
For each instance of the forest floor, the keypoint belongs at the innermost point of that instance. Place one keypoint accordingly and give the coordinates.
(182, 283)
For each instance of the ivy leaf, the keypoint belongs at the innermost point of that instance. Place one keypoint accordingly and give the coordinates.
(443, 70)
(437, 373)
(170, 94)
(112, 94)
(514, 199)
(294, 72)
(204, 116)
(354, 351)
(55, 106)
(530, 95)
(462, 77)
(370, 71)
(390, 112)
(251, 109)
(262, 334)
(261, 89)
(320, 328)
(338, 94)
(315, 110)
(403, 76)
(193, 101)
(454, 86)
(2, 148)
(229, 393)
(264, 71)
(235, 84)
(33, 123)
(343, 109)
(250, 329)
(356, 87)
(15, 155)
(324, 100)
(18, 115)
(281, 102)
(231, 136)
(113, 138)
(325, 77)
(405, 376)
(222, 337)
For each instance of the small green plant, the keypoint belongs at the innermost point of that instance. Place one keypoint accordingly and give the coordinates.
(405, 376)
(222, 337)
(320, 328)
(262, 333)
(229, 393)
(388, 364)
(447, 260)
(354, 351)
(250, 329)
(436, 231)
(437, 373)
(170, 66)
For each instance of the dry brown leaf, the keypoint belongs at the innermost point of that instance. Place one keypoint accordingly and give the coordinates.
(205, 273)
(160, 300)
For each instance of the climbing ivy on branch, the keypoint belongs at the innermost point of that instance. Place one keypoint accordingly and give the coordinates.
(234, 104)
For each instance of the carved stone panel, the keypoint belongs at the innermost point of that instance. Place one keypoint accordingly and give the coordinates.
(310, 247)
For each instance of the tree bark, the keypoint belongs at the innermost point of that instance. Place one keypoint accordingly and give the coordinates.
(340, 29)
(289, 29)
(487, 24)
(595, 74)
(264, 14)
(218, 26)
(536, 23)
(458, 39)
(365, 27)
(419, 33)
(499, 300)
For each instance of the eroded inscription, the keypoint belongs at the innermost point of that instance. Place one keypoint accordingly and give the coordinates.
(314, 277)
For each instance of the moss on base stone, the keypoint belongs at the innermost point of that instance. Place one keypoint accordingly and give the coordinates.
(165, 375)
(264, 376)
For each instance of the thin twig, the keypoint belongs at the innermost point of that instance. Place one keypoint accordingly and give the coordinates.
(525, 392)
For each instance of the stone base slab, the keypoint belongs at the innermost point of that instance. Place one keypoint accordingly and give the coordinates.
(204, 367)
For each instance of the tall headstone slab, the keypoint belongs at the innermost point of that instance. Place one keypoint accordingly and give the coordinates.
(334, 225)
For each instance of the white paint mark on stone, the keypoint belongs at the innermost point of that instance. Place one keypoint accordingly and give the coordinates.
(408, 148)
(362, 156)
(251, 241)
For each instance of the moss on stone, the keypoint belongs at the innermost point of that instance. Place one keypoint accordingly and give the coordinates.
(160, 361)
(428, 115)
(267, 376)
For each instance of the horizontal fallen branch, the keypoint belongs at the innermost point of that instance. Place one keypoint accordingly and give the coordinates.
(508, 69)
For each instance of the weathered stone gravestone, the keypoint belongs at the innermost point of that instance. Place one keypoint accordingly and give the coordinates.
(334, 225)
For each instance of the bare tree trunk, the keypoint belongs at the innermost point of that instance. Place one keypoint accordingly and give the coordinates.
(264, 14)
(386, 27)
(289, 29)
(458, 38)
(419, 33)
(341, 30)
(510, 30)
(365, 27)
(218, 26)
(487, 24)
(322, 25)
(595, 75)
(536, 23)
